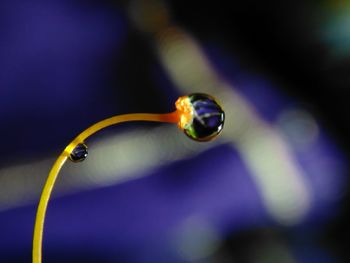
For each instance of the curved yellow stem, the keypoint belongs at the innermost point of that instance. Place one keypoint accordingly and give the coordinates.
(46, 193)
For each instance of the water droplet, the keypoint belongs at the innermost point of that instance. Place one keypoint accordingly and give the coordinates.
(207, 118)
(79, 153)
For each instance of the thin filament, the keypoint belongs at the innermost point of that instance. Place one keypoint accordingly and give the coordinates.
(46, 193)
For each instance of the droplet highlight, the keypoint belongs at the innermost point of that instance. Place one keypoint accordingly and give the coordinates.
(79, 153)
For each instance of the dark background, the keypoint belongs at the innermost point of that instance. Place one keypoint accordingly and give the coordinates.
(288, 42)
(282, 40)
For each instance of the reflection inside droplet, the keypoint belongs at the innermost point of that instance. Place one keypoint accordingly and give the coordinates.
(202, 118)
(79, 153)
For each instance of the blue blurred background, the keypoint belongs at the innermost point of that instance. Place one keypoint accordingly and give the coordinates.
(273, 187)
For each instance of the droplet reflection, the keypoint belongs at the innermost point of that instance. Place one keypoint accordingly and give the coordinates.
(79, 153)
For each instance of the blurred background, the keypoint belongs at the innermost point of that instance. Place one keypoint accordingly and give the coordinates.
(273, 187)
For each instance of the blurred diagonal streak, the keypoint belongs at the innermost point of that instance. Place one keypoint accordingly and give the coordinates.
(110, 162)
(279, 178)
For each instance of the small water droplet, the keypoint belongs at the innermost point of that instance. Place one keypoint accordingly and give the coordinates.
(79, 153)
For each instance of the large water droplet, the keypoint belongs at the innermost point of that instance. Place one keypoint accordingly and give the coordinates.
(208, 118)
